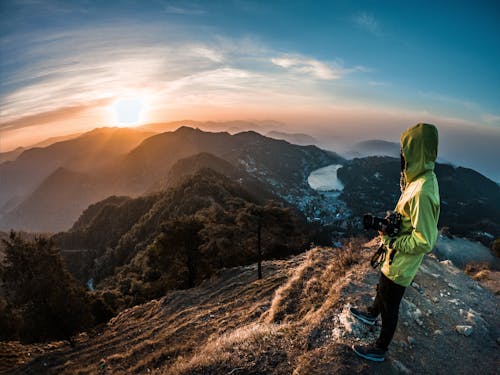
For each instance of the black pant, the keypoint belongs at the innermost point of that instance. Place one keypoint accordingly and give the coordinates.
(389, 295)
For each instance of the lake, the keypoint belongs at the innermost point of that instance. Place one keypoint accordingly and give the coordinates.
(325, 179)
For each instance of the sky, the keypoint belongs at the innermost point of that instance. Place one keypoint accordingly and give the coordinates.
(342, 71)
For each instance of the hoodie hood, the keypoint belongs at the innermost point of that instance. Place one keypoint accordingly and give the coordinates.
(419, 146)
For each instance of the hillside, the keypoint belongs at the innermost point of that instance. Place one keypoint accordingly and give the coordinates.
(59, 199)
(294, 320)
(138, 248)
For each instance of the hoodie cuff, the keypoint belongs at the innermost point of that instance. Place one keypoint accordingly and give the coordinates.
(389, 241)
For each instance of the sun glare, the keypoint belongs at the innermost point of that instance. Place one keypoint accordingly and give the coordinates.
(128, 111)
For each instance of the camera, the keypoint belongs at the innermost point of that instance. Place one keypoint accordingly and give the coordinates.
(392, 223)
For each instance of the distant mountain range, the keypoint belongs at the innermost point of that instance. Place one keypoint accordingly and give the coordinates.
(295, 138)
(132, 162)
(45, 189)
(373, 147)
(12, 155)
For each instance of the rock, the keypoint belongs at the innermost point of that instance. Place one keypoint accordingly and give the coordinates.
(438, 332)
(447, 262)
(464, 330)
(402, 369)
(417, 287)
(417, 314)
(412, 340)
(453, 286)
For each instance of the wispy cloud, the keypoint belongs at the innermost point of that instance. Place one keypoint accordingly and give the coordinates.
(447, 99)
(316, 68)
(185, 8)
(491, 119)
(64, 113)
(367, 22)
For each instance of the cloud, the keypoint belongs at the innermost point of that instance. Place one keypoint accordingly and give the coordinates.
(313, 67)
(208, 53)
(490, 118)
(186, 9)
(49, 116)
(367, 22)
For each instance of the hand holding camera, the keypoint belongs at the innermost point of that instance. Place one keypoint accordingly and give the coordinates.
(390, 225)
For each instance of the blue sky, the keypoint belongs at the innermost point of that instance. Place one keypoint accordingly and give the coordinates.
(351, 70)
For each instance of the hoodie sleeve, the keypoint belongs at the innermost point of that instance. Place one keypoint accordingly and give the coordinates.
(423, 216)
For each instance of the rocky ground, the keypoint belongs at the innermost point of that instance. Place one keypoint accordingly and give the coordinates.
(294, 321)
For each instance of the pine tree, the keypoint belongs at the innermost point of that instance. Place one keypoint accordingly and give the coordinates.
(271, 221)
(51, 304)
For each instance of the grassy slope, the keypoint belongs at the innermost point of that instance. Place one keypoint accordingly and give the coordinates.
(292, 321)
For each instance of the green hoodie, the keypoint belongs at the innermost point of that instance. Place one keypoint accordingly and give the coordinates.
(418, 206)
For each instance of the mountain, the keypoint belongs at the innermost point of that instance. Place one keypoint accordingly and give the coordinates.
(294, 320)
(84, 154)
(11, 155)
(59, 199)
(374, 147)
(470, 202)
(232, 127)
(296, 138)
(50, 141)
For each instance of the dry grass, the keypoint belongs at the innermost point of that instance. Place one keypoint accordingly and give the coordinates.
(310, 286)
(231, 349)
(233, 323)
(487, 276)
(277, 341)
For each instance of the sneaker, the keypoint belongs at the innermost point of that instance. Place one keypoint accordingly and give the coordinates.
(369, 352)
(364, 317)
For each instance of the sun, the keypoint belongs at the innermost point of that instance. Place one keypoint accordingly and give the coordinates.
(128, 111)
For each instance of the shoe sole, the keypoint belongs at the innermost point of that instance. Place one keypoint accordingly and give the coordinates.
(364, 320)
(374, 359)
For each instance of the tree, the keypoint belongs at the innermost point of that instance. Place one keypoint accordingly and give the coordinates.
(182, 236)
(272, 221)
(49, 301)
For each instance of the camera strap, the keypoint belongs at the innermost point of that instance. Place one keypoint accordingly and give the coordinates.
(378, 257)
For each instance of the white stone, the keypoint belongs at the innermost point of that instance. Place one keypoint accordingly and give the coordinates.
(464, 330)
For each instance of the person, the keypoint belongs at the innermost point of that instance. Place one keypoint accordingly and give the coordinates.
(419, 207)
